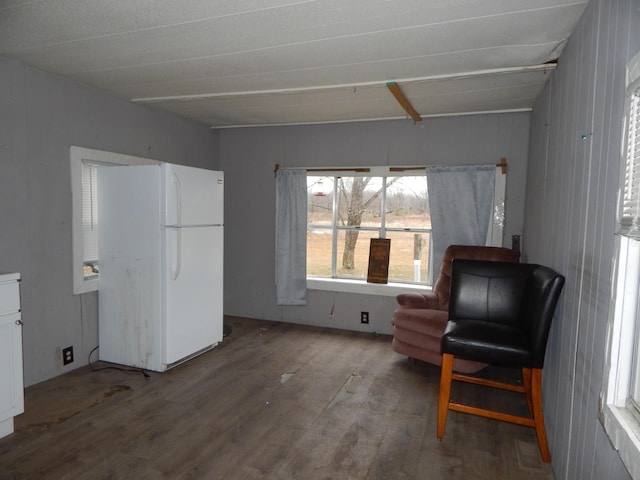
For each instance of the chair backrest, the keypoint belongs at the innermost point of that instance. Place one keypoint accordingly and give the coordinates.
(538, 307)
(521, 295)
(469, 252)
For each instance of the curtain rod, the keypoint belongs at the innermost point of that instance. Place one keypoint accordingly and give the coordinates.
(502, 165)
(277, 167)
(404, 169)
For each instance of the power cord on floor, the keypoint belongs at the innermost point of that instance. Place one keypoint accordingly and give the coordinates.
(135, 370)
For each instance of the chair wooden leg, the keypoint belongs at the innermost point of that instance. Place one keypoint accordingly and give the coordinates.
(526, 384)
(446, 374)
(538, 416)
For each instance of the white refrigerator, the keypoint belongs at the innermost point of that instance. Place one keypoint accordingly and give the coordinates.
(160, 241)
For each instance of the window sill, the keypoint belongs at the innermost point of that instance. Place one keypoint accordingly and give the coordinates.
(82, 285)
(358, 286)
(624, 432)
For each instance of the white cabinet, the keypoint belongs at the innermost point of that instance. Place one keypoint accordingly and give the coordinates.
(11, 381)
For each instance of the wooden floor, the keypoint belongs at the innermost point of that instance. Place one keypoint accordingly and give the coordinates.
(273, 401)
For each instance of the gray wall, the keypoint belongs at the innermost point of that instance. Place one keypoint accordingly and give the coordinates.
(572, 186)
(41, 115)
(248, 157)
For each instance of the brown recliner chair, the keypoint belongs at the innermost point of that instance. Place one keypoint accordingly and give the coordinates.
(419, 321)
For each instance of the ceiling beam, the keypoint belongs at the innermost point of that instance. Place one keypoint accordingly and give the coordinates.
(394, 88)
(545, 67)
(374, 119)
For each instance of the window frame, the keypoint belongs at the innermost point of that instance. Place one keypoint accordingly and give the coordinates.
(381, 230)
(620, 418)
(79, 156)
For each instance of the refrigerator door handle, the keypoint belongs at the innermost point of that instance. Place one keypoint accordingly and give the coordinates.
(176, 272)
(176, 181)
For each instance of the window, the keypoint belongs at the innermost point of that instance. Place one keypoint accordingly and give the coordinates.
(621, 410)
(84, 176)
(345, 212)
(347, 209)
(630, 217)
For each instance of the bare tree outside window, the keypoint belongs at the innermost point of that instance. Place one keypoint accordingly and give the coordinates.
(356, 203)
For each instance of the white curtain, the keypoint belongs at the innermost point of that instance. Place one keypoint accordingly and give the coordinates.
(460, 202)
(291, 237)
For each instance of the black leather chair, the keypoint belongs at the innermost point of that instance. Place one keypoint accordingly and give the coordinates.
(500, 314)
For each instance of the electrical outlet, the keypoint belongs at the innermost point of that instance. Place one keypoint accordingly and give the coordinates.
(67, 355)
(364, 317)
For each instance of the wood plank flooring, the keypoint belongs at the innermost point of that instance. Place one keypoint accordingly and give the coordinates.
(273, 401)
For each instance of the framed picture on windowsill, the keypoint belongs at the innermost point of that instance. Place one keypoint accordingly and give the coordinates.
(379, 249)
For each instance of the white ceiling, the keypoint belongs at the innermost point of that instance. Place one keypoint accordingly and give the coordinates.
(270, 62)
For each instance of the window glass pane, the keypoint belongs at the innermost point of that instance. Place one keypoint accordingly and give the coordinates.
(636, 392)
(368, 207)
(359, 201)
(90, 218)
(409, 257)
(635, 369)
(319, 200)
(406, 203)
(353, 253)
(319, 252)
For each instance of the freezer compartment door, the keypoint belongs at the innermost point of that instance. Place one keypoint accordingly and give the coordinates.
(195, 196)
(193, 286)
